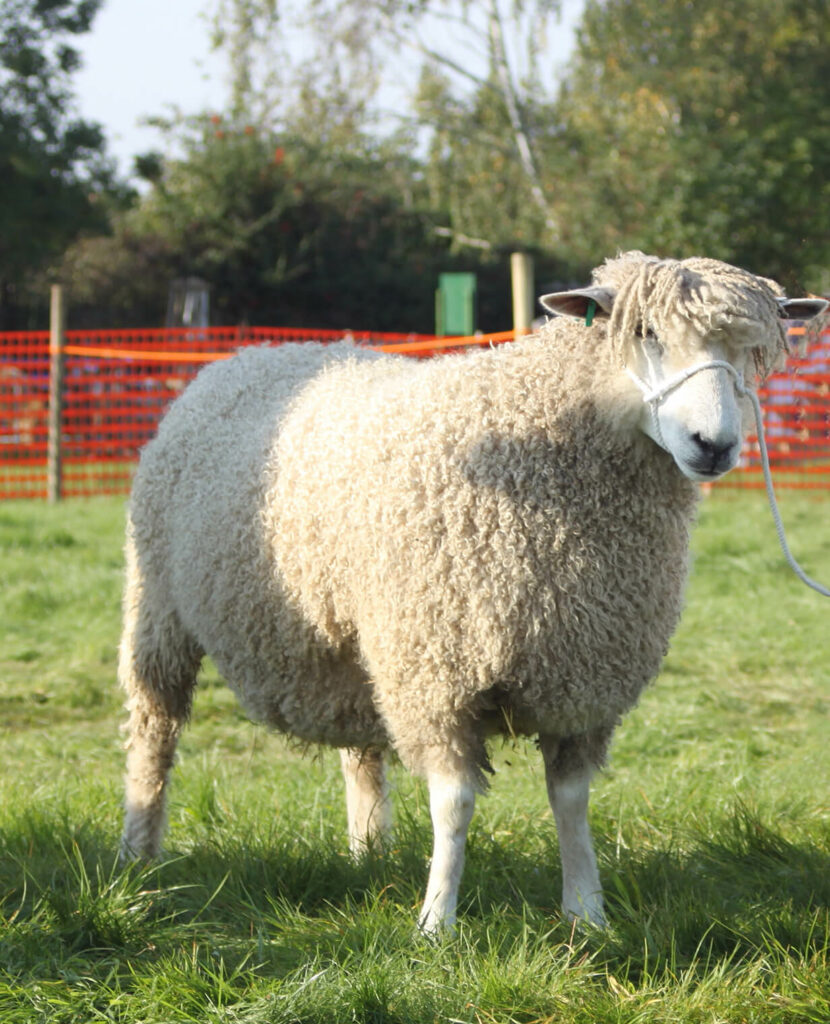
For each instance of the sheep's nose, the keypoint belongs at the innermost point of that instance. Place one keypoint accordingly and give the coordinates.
(713, 455)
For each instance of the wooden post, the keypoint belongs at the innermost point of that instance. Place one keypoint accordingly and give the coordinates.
(54, 460)
(521, 278)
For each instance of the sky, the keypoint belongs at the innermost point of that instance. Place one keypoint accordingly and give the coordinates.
(141, 57)
(144, 57)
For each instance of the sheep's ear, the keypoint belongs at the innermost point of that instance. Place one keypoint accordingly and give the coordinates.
(801, 309)
(581, 304)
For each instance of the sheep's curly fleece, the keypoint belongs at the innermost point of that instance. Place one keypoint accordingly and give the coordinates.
(374, 549)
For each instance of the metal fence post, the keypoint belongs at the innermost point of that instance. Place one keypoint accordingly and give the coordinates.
(54, 460)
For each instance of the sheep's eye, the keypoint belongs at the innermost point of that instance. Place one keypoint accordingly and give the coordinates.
(650, 341)
(654, 343)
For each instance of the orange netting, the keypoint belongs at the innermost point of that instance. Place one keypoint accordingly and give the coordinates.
(119, 383)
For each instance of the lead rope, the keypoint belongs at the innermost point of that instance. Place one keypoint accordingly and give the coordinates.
(773, 504)
(653, 396)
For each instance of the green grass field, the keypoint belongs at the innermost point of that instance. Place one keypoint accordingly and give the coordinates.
(712, 826)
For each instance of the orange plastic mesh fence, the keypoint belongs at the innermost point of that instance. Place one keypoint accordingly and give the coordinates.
(119, 383)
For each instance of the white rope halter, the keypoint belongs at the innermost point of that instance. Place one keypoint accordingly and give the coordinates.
(653, 396)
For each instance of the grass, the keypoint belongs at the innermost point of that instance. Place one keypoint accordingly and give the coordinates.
(712, 827)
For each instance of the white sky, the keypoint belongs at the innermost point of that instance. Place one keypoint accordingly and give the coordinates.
(143, 57)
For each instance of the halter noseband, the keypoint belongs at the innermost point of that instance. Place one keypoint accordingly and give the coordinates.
(653, 396)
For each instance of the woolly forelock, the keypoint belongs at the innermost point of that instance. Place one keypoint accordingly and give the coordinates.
(658, 295)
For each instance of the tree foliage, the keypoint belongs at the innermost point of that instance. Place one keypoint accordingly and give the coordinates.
(479, 102)
(285, 230)
(53, 168)
(703, 127)
(473, 172)
(244, 29)
(696, 127)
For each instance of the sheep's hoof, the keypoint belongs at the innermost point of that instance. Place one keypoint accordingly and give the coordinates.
(129, 856)
(436, 928)
(585, 914)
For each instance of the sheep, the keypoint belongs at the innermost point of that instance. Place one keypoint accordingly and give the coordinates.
(380, 552)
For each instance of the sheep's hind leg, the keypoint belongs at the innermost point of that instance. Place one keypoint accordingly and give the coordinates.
(367, 797)
(568, 777)
(157, 668)
(451, 804)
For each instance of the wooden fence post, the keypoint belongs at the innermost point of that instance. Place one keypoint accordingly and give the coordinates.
(521, 277)
(54, 460)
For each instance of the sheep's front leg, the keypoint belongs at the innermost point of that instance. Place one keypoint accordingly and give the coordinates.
(568, 794)
(451, 804)
(367, 797)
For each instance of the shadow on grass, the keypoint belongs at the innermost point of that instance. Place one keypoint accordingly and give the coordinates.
(728, 894)
(741, 888)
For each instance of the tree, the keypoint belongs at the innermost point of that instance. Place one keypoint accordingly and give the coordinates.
(285, 229)
(467, 108)
(349, 227)
(507, 92)
(244, 29)
(54, 172)
(703, 127)
(285, 71)
(473, 170)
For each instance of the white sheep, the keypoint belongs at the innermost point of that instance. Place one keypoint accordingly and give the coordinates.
(377, 551)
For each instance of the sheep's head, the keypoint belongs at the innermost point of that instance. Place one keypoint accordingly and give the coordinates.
(689, 334)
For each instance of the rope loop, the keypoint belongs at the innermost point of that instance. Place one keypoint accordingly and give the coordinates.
(773, 504)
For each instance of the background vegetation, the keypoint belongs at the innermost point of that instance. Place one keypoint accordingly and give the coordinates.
(712, 825)
(57, 182)
(693, 127)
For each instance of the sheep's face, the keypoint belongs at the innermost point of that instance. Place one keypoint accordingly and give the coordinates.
(690, 404)
(688, 384)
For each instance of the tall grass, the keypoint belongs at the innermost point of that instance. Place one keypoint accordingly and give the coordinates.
(712, 826)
